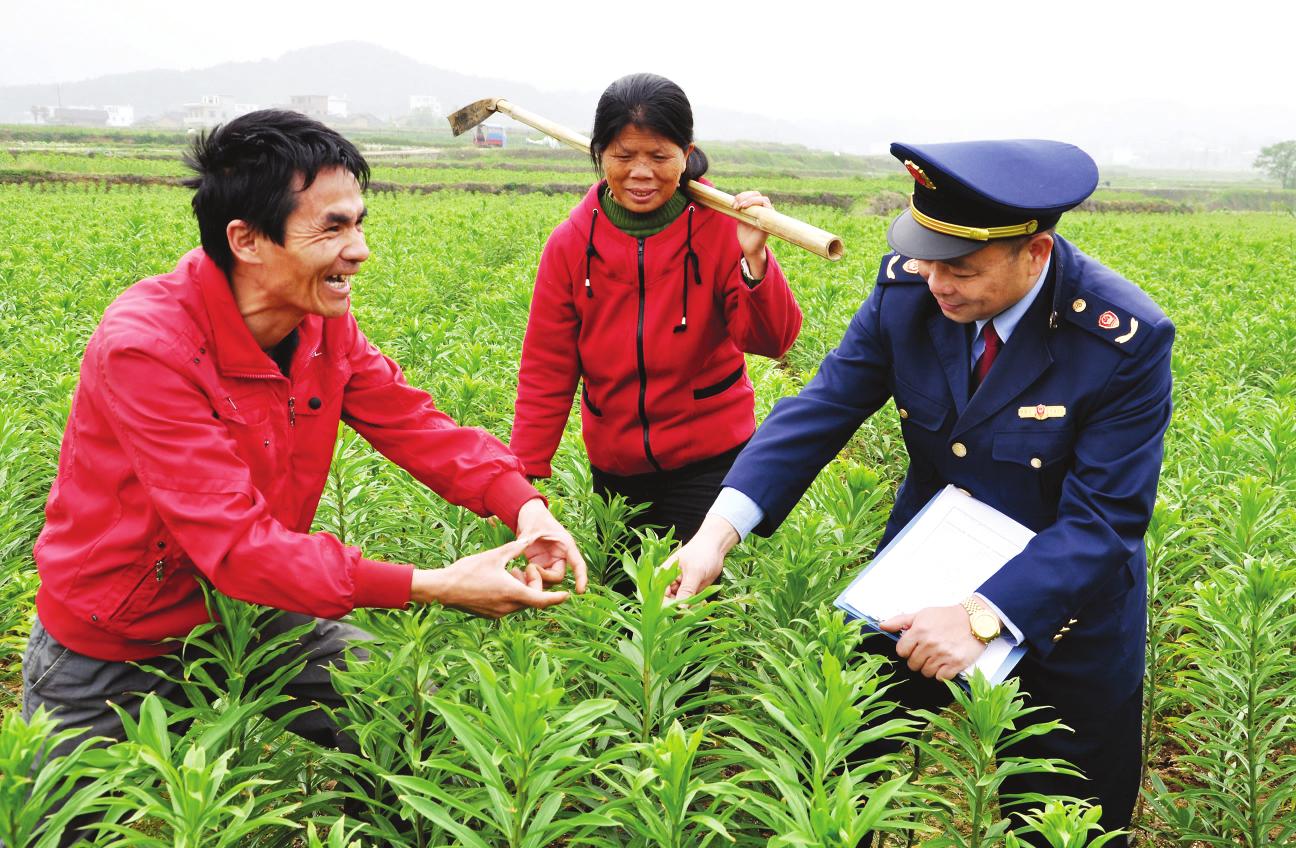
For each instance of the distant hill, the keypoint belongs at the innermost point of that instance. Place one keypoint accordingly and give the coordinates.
(1144, 133)
(373, 79)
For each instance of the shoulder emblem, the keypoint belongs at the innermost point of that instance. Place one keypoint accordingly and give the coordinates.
(1107, 321)
(897, 268)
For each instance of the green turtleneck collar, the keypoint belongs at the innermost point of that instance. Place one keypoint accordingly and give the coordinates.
(643, 224)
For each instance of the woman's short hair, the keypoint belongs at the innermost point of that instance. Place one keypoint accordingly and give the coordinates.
(247, 170)
(649, 102)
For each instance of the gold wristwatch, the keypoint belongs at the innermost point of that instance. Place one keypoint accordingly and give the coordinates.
(985, 624)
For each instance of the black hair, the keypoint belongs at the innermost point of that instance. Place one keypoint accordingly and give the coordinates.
(649, 102)
(246, 169)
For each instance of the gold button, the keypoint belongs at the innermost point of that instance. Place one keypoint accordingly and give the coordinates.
(1036, 462)
(1078, 304)
(1057, 637)
(964, 491)
(904, 413)
(1064, 630)
(959, 449)
(1073, 621)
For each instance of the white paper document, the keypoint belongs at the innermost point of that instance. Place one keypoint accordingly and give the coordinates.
(952, 546)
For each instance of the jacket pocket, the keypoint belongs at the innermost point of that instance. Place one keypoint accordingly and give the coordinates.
(589, 402)
(152, 572)
(42, 659)
(1039, 462)
(716, 388)
(918, 410)
(1035, 450)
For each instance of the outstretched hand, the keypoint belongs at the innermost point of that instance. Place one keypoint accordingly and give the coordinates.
(702, 559)
(551, 548)
(484, 585)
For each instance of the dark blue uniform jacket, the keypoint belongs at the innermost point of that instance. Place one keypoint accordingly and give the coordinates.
(1065, 436)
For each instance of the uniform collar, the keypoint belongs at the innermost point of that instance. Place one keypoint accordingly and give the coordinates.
(236, 351)
(1005, 322)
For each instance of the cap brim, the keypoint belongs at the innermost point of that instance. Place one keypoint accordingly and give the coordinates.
(910, 238)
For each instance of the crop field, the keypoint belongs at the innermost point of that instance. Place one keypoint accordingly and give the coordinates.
(590, 723)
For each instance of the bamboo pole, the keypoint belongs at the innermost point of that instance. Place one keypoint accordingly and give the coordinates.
(775, 223)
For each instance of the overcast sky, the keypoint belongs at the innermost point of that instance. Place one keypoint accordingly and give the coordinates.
(798, 59)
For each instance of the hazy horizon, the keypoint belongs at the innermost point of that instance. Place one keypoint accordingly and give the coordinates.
(1205, 76)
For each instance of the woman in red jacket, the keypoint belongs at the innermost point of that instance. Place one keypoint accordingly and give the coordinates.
(651, 301)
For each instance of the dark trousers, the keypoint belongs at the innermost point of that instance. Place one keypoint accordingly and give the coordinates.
(1105, 745)
(677, 499)
(77, 688)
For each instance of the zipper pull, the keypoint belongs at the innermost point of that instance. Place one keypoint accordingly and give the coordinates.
(292, 411)
(159, 568)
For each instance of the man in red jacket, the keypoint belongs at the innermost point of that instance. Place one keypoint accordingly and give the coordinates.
(202, 431)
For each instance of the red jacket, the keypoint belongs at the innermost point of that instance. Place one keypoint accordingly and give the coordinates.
(188, 454)
(658, 343)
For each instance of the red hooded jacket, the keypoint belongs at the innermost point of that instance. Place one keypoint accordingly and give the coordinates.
(188, 454)
(657, 328)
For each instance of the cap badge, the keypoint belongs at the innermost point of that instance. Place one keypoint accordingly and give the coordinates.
(911, 266)
(1108, 320)
(919, 175)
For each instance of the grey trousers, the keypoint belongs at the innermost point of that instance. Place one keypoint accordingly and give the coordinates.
(77, 688)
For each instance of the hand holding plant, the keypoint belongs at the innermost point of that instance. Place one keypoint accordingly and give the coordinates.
(702, 559)
(552, 548)
(481, 585)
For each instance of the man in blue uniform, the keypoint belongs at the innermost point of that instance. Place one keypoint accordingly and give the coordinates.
(1036, 379)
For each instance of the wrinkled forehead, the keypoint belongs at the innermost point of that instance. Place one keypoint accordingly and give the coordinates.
(334, 195)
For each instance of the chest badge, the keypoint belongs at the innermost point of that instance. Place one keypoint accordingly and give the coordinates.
(1042, 412)
(1108, 320)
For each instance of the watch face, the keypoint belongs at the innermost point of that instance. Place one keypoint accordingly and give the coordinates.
(985, 626)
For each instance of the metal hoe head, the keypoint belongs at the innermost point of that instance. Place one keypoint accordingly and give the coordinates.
(472, 115)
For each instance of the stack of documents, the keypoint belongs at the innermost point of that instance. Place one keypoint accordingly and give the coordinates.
(952, 546)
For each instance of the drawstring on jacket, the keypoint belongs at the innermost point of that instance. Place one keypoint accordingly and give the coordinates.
(590, 253)
(689, 256)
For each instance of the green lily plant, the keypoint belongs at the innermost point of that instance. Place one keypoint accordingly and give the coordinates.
(518, 778)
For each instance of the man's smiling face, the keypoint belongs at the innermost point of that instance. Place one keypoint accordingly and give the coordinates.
(323, 247)
(984, 283)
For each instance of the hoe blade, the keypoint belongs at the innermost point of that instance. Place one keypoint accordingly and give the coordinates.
(472, 115)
